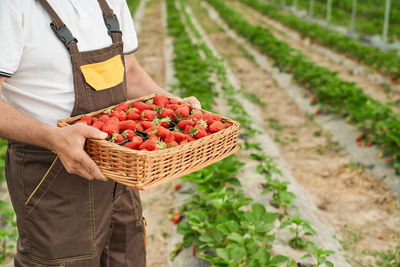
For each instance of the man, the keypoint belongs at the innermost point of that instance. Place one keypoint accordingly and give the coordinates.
(60, 59)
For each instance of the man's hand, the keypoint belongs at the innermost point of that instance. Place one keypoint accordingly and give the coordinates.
(192, 100)
(68, 143)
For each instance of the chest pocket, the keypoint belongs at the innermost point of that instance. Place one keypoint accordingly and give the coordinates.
(104, 75)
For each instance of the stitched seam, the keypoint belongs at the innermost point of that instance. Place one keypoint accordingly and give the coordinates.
(75, 86)
(44, 193)
(92, 222)
(41, 181)
(36, 262)
(138, 222)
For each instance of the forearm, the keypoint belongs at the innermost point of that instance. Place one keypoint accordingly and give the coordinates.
(19, 127)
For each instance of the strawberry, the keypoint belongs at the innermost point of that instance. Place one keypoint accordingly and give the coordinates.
(173, 101)
(177, 186)
(117, 138)
(160, 100)
(127, 125)
(216, 126)
(147, 124)
(167, 113)
(176, 217)
(139, 126)
(122, 106)
(172, 106)
(173, 144)
(216, 117)
(162, 132)
(196, 116)
(98, 124)
(182, 111)
(128, 134)
(149, 115)
(136, 141)
(187, 130)
(132, 115)
(86, 119)
(189, 138)
(389, 160)
(369, 144)
(198, 132)
(169, 138)
(179, 136)
(104, 118)
(184, 141)
(226, 125)
(142, 106)
(121, 115)
(176, 220)
(151, 131)
(111, 126)
(360, 144)
(208, 118)
(194, 250)
(150, 144)
(182, 124)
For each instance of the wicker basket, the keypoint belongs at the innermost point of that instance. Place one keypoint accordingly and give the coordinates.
(145, 169)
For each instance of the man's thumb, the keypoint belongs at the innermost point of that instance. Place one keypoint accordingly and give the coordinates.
(91, 132)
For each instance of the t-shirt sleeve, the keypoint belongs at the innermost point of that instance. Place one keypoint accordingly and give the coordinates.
(129, 36)
(11, 38)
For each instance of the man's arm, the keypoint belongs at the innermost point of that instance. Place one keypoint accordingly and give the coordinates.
(67, 142)
(140, 83)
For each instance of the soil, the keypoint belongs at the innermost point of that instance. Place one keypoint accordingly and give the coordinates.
(157, 202)
(365, 213)
(374, 89)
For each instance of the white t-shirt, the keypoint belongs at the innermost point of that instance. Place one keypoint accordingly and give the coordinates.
(37, 65)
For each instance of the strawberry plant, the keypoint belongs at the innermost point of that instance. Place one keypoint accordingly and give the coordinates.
(300, 228)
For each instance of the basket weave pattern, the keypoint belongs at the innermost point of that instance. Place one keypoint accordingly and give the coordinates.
(145, 169)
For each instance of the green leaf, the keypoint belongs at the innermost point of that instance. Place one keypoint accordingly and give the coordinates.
(279, 259)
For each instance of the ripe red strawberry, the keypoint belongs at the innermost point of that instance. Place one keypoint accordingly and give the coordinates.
(150, 144)
(127, 125)
(86, 119)
(216, 117)
(151, 131)
(132, 115)
(182, 124)
(173, 101)
(187, 130)
(179, 136)
(360, 137)
(177, 186)
(139, 126)
(142, 106)
(98, 124)
(176, 217)
(194, 250)
(208, 118)
(121, 115)
(198, 132)
(117, 138)
(172, 106)
(147, 124)
(167, 113)
(162, 132)
(104, 118)
(149, 115)
(173, 144)
(122, 106)
(160, 100)
(135, 143)
(196, 116)
(128, 134)
(184, 141)
(190, 138)
(176, 220)
(111, 126)
(369, 144)
(360, 144)
(216, 126)
(226, 125)
(389, 160)
(182, 111)
(169, 138)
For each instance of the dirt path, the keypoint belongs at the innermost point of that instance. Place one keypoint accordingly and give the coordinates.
(365, 213)
(374, 89)
(156, 202)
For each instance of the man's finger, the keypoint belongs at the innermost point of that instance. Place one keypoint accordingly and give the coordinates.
(91, 132)
(90, 166)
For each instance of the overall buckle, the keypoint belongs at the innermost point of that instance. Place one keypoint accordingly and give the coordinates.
(112, 24)
(64, 34)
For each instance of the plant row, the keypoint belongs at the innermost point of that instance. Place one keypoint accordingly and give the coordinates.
(385, 62)
(380, 125)
(369, 16)
(219, 225)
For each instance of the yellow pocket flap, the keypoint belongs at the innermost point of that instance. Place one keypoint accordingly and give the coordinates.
(104, 75)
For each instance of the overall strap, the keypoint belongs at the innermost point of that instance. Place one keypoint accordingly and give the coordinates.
(58, 26)
(111, 21)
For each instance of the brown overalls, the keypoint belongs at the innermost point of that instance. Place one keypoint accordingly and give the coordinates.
(63, 219)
